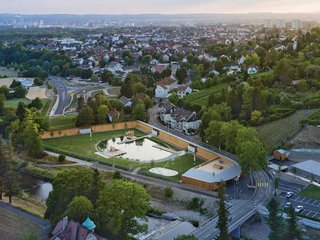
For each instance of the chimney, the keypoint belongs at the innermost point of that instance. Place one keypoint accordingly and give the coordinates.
(64, 223)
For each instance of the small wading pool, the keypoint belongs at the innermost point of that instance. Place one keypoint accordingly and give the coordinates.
(141, 150)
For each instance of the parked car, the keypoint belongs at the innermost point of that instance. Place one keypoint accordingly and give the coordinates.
(287, 205)
(298, 209)
(289, 194)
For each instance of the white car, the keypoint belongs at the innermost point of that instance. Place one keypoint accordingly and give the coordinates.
(289, 194)
(298, 209)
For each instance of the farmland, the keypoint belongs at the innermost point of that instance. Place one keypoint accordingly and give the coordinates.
(280, 131)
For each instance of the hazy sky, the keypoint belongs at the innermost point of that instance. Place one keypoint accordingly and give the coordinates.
(157, 6)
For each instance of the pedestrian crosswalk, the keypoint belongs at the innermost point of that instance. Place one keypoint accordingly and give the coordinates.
(262, 184)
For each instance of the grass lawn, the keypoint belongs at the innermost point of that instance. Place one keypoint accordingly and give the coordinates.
(202, 96)
(114, 91)
(62, 122)
(13, 103)
(15, 227)
(311, 191)
(82, 146)
(8, 72)
(280, 131)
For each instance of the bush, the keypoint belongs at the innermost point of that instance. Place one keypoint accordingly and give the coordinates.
(168, 192)
(61, 158)
(195, 204)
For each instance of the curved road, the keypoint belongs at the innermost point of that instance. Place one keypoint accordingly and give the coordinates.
(63, 98)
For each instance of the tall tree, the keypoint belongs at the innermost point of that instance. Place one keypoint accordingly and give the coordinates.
(85, 117)
(293, 232)
(3, 168)
(2, 101)
(223, 215)
(11, 178)
(79, 209)
(119, 207)
(32, 139)
(275, 221)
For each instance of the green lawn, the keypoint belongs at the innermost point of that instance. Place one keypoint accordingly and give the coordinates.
(311, 191)
(62, 122)
(8, 72)
(83, 147)
(13, 103)
(202, 96)
(276, 133)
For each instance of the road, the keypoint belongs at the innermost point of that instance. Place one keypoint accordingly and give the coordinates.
(239, 213)
(63, 98)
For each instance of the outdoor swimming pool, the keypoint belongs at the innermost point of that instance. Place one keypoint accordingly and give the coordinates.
(141, 150)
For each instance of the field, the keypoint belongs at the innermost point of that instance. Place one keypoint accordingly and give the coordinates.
(311, 191)
(201, 97)
(13, 103)
(62, 122)
(14, 227)
(309, 137)
(81, 146)
(8, 72)
(34, 92)
(278, 132)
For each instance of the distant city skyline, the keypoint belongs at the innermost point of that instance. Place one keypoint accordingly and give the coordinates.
(157, 6)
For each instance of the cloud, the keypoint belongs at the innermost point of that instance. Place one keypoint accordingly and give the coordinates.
(157, 6)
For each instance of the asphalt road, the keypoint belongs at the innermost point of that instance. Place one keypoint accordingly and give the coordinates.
(239, 213)
(63, 98)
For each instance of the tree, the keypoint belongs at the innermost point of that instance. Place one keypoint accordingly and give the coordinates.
(67, 185)
(223, 215)
(213, 133)
(102, 114)
(293, 232)
(11, 182)
(61, 158)
(119, 207)
(218, 66)
(274, 220)
(181, 74)
(85, 117)
(174, 98)
(255, 117)
(32, 139)
(140, 113)
(185, 237)
(276, 185)
(252, 156)
(2, 101)
(36, 103)
(21, 111)
(3, 168)
(79, 209)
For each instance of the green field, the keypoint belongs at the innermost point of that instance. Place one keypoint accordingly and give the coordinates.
(278, 132)
(62, 122)
(201, 97)
(81, 146)
(8, 72)
(311, 191)
(13, 103)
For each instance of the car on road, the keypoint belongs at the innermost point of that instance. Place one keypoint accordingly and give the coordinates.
(287, 205)
(298, 209)
(289, 194)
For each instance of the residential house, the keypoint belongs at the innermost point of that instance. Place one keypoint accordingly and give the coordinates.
(72, 230)
(165, 86)
(126, 102)
(178, 119)
(26, 83)
(113, 115)
(183, 90)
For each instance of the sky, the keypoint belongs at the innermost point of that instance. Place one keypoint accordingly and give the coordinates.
(156, 6)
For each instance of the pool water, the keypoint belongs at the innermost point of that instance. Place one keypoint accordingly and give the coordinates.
(141, 150)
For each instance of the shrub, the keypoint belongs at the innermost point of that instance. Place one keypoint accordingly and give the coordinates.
(61, 158)
(168, 192)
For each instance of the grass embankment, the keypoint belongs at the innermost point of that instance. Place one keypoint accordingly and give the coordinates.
(82, 147)
(313, 119)
(62, 122)
(278, 132)
(4, 72)
(14, 227)
(311, 191)
(201, 97)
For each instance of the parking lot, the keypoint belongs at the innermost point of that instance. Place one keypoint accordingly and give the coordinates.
(311, 206)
